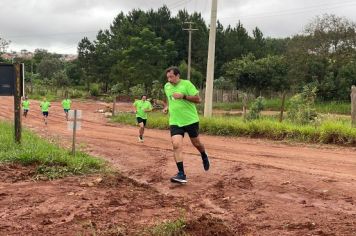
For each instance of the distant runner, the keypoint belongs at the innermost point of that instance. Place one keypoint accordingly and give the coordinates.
(141, 107)
(66, 104)
(25, 106)
(45, 105)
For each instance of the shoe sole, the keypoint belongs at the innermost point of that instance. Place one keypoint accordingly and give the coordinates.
(180, 181)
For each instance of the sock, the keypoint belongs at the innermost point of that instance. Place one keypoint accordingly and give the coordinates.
(180, 167)
(203, 155)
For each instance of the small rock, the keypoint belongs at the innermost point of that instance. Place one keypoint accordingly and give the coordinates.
(108, 114)
(70, 194)
(303, 202)
(285, 183)
(47, 222)
(226, 199)
(99, 180)
(90, 184)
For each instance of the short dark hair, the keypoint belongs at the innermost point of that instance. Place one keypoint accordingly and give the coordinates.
(174, 69)
(143, 95)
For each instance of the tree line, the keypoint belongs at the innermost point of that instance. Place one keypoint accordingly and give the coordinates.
(133, 52)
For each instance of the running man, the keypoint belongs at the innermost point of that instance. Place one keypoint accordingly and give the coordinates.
(45, 105)
(25, 106)
(141, 107)
(183, 118)
(66, 104)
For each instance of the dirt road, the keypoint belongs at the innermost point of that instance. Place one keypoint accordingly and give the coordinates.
(262, 187)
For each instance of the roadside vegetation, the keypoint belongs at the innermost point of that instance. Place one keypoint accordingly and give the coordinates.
(329, 129)
(50, 160)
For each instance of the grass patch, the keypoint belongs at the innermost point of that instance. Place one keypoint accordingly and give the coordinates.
(168, 228)
(334, 107)
(331, 131)
(274, 104)
(270, 104)
(51, 160)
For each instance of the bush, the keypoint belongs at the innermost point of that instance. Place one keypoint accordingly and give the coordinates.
(302, 106)
(256, 109)
(137, 90)
(94, 90)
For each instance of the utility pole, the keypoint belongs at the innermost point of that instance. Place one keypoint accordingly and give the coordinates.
(208, 106)
(190, 30)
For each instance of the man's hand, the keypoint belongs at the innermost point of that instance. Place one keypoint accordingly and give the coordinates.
(177, 95)
(165, 110)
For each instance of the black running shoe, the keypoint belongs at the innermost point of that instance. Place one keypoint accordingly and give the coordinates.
(179, 178)
(206, 163)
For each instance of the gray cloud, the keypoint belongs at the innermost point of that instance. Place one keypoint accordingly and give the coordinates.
(60, 25)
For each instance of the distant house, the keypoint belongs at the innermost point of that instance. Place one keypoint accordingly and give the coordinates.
(69, 57)
(29, 55)
(8, 56)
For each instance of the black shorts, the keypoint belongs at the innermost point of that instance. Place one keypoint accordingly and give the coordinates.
(140, 120)
(25, 110)
(66, 110)
(45, 113)
(192, 130)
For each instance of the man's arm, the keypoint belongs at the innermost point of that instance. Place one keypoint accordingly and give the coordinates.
(165, 106)
(149, 108)
(194, 99)
(134, 108)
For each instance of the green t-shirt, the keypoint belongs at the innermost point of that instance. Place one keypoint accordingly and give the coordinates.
(181, 111)
(66, 103)
(141, 106)
(44, 106)
(26, 105)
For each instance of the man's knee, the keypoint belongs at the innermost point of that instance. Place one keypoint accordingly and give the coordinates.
(196, 142)
(176, 145)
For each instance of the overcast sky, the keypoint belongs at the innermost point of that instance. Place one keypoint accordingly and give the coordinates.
(58, 25)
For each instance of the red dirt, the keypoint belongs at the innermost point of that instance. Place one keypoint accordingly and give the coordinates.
(254, 187)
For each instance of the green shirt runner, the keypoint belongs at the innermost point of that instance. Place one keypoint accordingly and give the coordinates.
(181, 112)
(45, 106)
(141, 106)
(26, 105)
(66, 104)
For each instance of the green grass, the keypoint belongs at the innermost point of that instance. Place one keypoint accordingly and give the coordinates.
(334, 107)
(58, 94)
(168, 228)
(275, 105)
(332, 130)
(50, 160)
(270, 104)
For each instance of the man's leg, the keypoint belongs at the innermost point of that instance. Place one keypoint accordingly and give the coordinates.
(177, 142)
(193, 131)
(200, 146)
(141, 130)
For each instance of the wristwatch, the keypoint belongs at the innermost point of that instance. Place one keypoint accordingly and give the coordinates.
(184, 96)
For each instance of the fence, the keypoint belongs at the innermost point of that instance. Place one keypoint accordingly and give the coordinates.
(220, 95)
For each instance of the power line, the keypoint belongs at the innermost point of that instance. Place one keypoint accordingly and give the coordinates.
(184, 2)
(293, 11)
